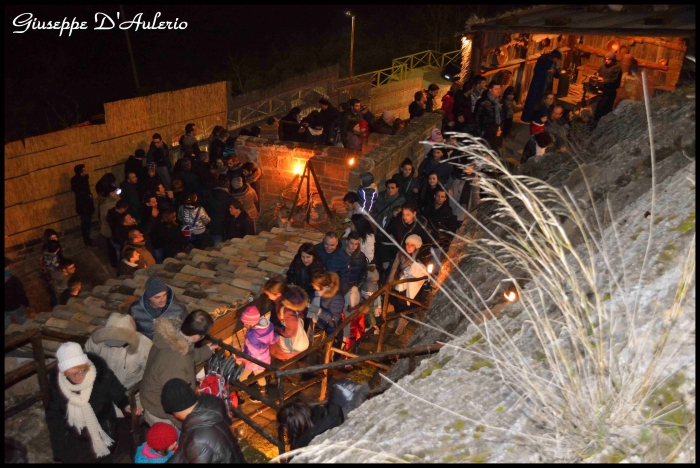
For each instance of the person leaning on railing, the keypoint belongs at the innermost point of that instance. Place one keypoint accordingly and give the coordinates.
(407, 267)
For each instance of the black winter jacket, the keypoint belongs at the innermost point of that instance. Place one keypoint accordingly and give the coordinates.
(238, 228)
(168, 237)
(206, 436)
(400, 231)
(83, 196)
(301, 275)
(68, 445)
(216, 150)
(406, 184)
(441, 218)
(357, 272)
(324, 418)
(221, 200)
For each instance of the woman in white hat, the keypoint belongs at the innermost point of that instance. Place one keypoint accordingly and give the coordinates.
(407, 267)
(81, 417)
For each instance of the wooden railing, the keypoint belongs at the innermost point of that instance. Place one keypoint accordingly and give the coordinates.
(427, 58)
(326, 346)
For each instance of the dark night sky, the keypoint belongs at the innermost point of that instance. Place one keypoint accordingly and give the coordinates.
(91, 67)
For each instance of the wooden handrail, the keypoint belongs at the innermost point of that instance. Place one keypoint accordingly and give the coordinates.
(16, 339)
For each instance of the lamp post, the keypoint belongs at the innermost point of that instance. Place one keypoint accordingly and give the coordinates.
(352, 39)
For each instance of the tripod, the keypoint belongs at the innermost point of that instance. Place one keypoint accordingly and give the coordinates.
(307, 174)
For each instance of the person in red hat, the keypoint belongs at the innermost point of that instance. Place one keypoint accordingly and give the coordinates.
(160, 445)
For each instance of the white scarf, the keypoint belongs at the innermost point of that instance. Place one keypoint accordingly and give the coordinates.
(81, 414)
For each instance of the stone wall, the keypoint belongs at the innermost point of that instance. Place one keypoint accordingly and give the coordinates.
(387, 151)
(282, 164)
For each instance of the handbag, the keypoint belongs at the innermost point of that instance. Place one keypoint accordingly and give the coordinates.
(188, 230)
(300, 341)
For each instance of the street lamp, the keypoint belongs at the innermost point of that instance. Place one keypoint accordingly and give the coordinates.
(352, 39)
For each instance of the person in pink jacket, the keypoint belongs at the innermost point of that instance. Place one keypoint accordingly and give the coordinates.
(259, 336)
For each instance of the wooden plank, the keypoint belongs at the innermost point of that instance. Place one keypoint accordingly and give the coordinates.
(41, 374)
(23, 371)
(16, 339)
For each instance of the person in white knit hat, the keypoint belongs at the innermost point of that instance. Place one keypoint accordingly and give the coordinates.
(81, 416)
(407, 267)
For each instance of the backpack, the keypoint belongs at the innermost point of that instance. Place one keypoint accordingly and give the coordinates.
(297, 344)
(188, 230)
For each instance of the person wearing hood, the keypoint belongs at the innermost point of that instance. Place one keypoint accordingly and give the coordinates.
(157, 301)
(174, 356)
(251, 175)
(385, 124)
(244, 193)
(436, 137)
(407, 267)
(329, 117)
(81, 416)
(406, 179)
(610, 76)
(206, 435)
(367, 192)
(326, 308)
(546, 69)
(84, 205)
(221, 200)
(258, 337)
(290, 317)
(123, 348)
(387, 201)
(291, 126)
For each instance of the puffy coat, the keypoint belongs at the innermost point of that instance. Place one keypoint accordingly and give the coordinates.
(248, 197)
(145, 315)
(221, 201)
(324, 418)
(127, 363)
(172, 356)
(301, 275)
(186, 215)
(357, 272)
(84, 205)
(332, 304)
(257, 344)
(68, 445)
(206, 436)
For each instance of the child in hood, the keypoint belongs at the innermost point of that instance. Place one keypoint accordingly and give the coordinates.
(367, 192)
(160, 445)
(259, 336)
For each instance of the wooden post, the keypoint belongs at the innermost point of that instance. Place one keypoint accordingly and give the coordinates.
(38, 350)
(308, 199)
(477, 42)
(326, 359)
(382, 331)
(280, 389)
(296, 197)
(320, 191)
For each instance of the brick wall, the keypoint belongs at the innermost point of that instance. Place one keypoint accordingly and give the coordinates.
(283, 162)
(387, 151)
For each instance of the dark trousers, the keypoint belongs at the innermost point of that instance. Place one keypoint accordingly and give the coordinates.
(111, 253)
(605, 105)
(85, 225)
(506, 126)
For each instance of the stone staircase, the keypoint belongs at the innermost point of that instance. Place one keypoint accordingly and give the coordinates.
(218, 280)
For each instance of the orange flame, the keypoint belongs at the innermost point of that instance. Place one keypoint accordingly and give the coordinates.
(430, 268)
(510, 296)
(351, 162)
(298, 169)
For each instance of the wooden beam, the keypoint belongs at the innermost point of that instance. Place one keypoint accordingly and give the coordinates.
(241, 415)
(640, 62)
(657, 42)
(23, 371)
(41, 374)
(16, 339)
(610, 31)
(18, 408)
(351, 355)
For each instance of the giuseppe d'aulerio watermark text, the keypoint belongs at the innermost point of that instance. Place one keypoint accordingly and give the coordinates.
(26, 21)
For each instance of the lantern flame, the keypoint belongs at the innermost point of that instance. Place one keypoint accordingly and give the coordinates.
(351, 162)
(510, 296)
(430, 268)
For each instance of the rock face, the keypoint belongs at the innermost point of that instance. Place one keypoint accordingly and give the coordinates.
(219, 280)
(463, 405)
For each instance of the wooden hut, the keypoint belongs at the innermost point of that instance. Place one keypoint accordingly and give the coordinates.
(651, 37)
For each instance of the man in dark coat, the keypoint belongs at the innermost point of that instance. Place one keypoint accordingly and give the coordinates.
(440, 217)
(357, 264)
(407, 222)
(188, 142)
(238, 224)
(386, 202)
(433, 91)
(333, 256)
(157, 143)
(221, 200)
(69, 445)
(406, 178)
(328, 116)
(158, 300)
(136, 164)
(385, 124)
(84, 205)
(488, 111)
(417, 107)
(130, 193)
(546, 68)
(610, 74)
(206, 435)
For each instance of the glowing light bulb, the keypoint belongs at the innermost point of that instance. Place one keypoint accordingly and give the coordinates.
(430, 268)
(510, 296)
(351, 162)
